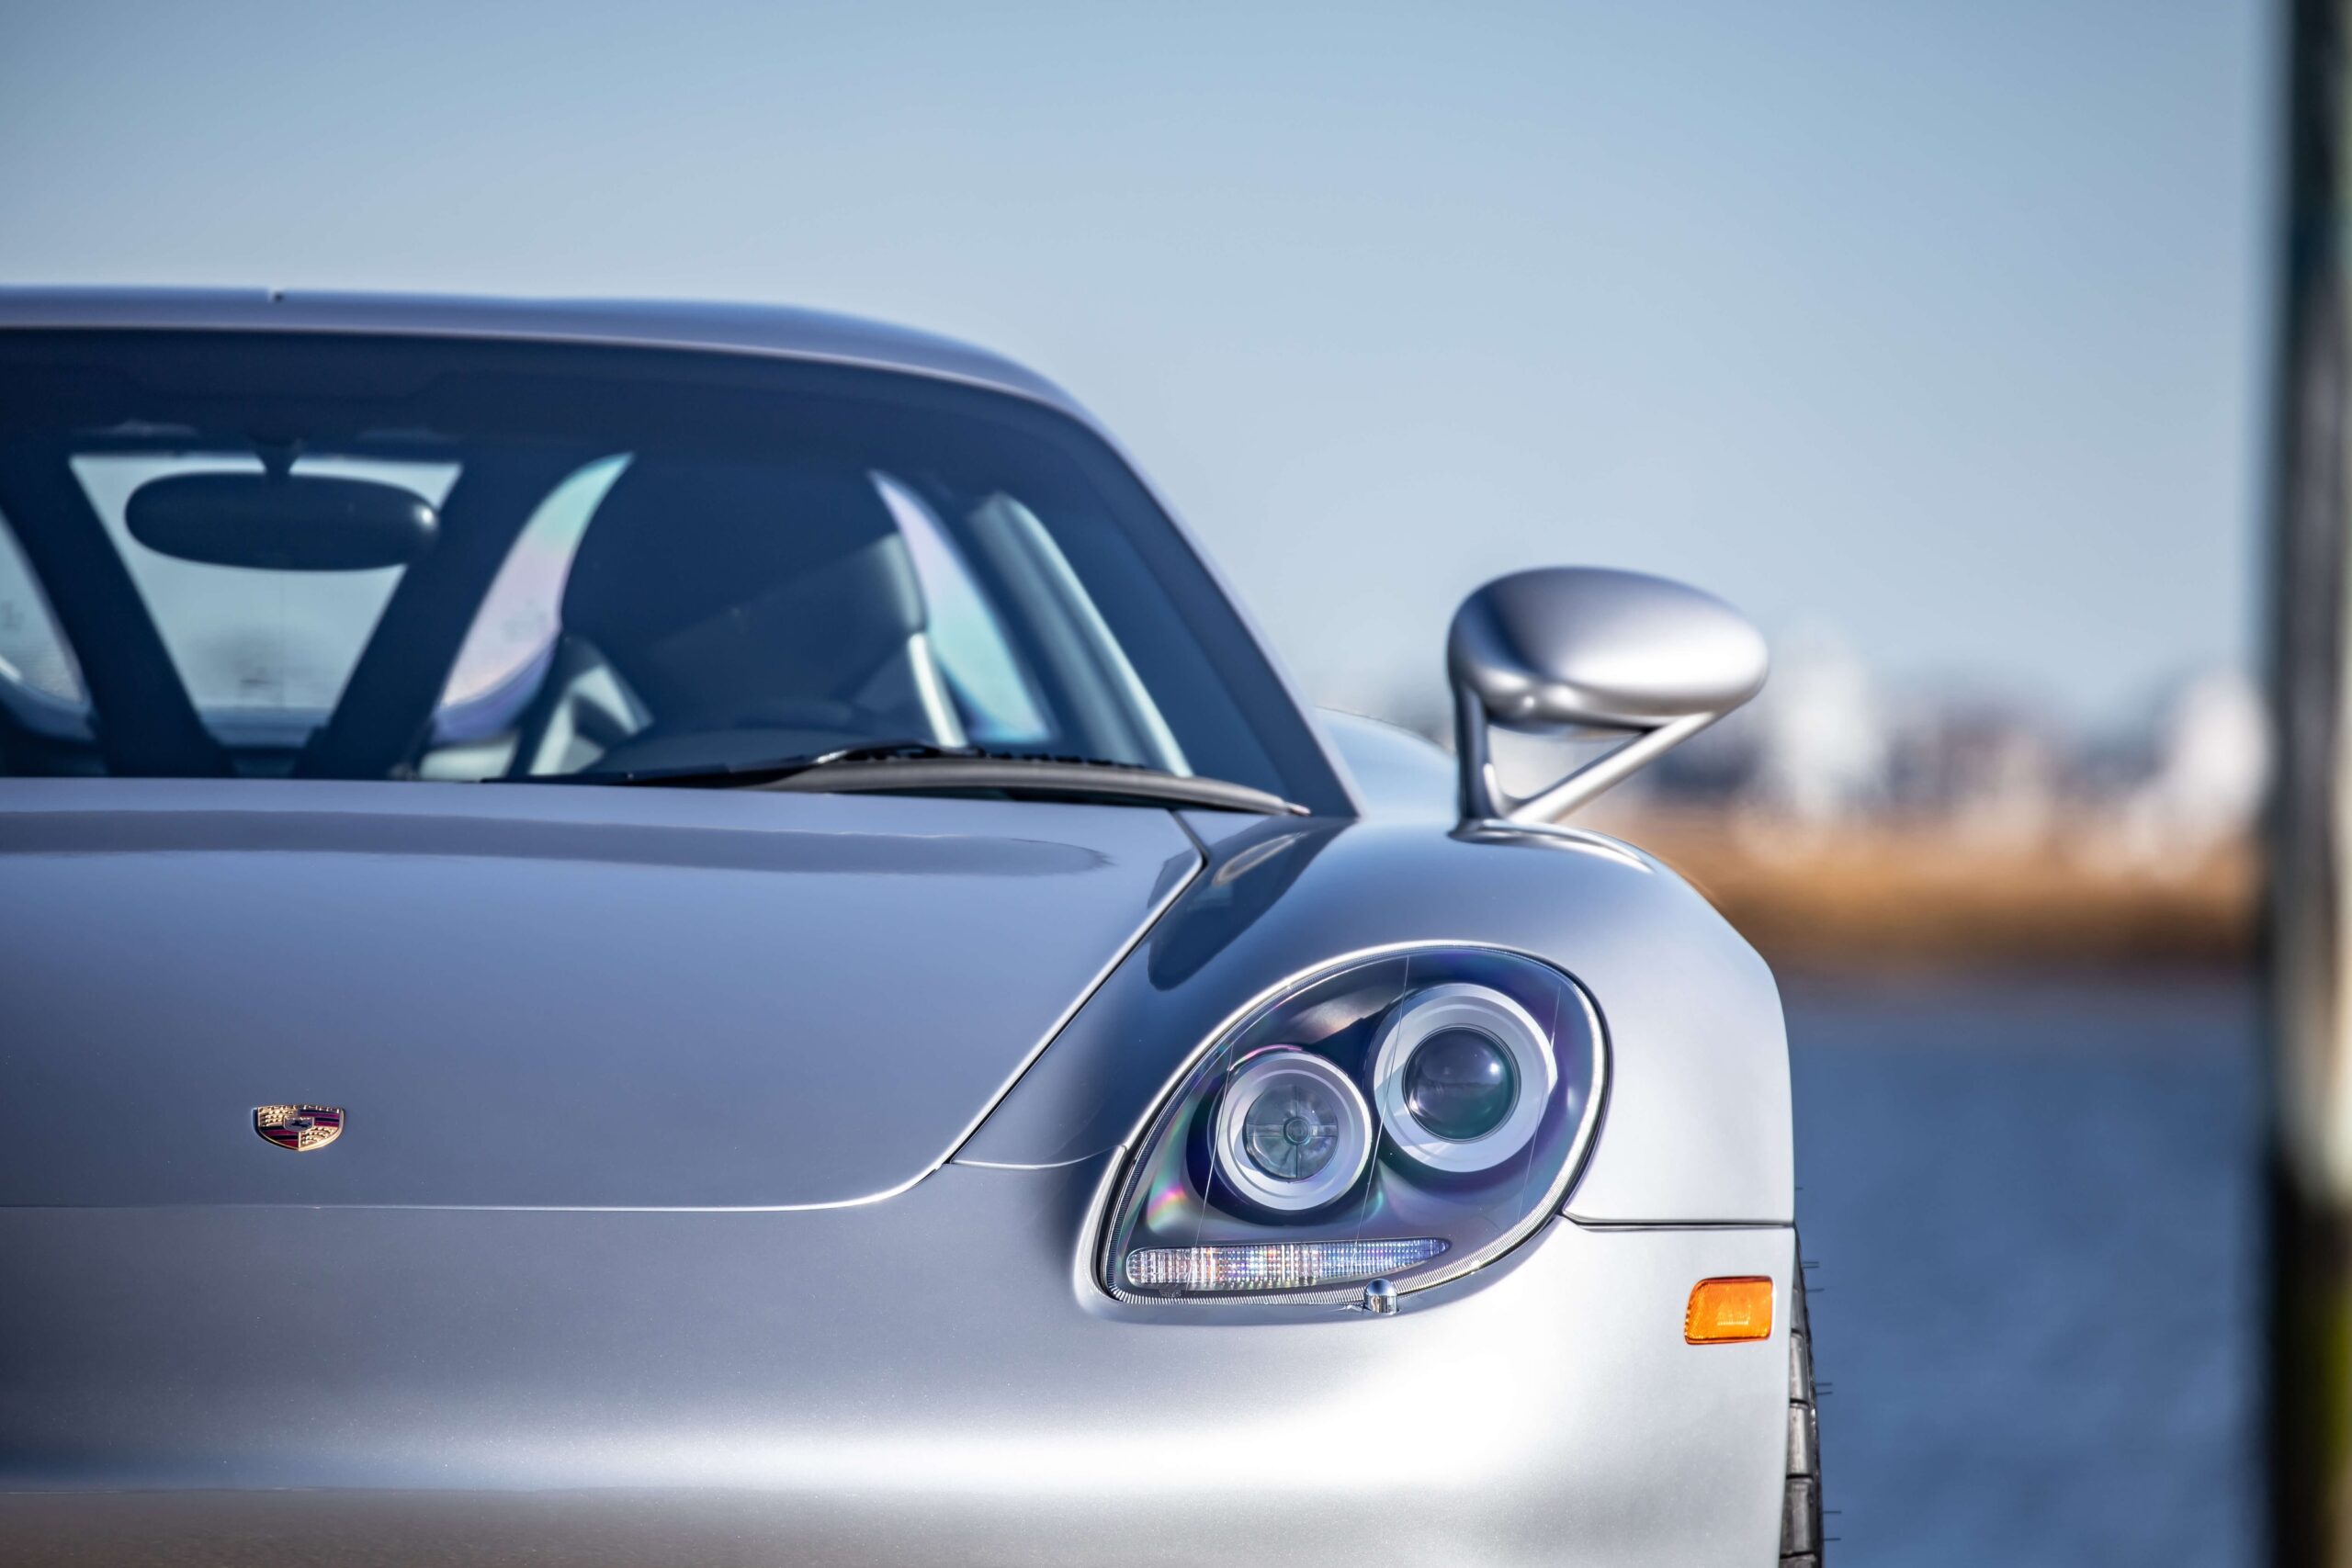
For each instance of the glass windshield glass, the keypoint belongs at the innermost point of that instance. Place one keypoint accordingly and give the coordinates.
(260, 556)
(247, 641)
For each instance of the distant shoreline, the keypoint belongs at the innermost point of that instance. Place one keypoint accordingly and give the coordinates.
(1925, 896)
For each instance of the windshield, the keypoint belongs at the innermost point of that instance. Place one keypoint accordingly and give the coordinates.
(268, 556)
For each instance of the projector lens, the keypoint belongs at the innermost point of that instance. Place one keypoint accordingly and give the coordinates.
(1459, 1084)
(1461, 1075)
(1292, 1129)
(1292, 1133)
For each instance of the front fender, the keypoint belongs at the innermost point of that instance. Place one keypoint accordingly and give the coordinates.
(1696, 1127)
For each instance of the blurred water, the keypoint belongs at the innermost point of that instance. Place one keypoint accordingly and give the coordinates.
(2034, 1204)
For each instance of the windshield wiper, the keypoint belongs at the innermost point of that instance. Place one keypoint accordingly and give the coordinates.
(918, 767)
(737, 775)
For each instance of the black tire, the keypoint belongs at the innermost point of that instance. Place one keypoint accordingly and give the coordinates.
(1801, 1541)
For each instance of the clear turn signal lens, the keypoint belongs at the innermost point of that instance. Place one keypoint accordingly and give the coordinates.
(1275, 1266)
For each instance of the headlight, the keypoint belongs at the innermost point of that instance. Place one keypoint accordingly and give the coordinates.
(1408, 1116)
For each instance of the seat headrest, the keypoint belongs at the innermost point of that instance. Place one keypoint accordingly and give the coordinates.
(675, 543)
(727, 591)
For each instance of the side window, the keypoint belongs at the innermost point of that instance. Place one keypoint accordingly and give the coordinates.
(966, 638)
(33, 651)
(1096, 676)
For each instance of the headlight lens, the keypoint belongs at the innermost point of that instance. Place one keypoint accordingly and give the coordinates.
(1459, 1084)
(1408, 1116)
(1446, 1055)
(1292, 1131)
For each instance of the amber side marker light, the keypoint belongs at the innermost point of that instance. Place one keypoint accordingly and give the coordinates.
(1725, 1311)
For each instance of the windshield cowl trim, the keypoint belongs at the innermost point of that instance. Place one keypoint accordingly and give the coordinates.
(1029, 776)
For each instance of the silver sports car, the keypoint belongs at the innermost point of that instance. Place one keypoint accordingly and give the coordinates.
(670, 935)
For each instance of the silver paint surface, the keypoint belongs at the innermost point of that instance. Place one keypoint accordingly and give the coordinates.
(1400, 776)
(920, 1381)
(781, 329)
(1584, 645)
(536, 994)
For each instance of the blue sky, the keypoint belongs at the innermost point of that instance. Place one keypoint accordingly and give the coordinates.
(1937, 327)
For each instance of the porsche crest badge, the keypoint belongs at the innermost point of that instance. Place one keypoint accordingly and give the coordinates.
(298, 1127)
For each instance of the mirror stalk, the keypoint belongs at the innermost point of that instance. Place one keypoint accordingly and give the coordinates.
(1485, 800)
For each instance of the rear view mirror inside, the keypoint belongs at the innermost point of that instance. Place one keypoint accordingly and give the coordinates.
(293, 522)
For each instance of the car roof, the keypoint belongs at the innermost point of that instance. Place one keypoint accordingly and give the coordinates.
(780, 330)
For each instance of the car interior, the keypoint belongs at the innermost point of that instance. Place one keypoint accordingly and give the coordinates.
(202, 574)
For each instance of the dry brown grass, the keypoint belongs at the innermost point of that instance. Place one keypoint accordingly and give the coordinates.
(1921, 895)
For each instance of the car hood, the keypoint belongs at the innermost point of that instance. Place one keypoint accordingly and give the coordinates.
(537, 995)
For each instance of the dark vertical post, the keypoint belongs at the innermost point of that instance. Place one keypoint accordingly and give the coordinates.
(2310, 999)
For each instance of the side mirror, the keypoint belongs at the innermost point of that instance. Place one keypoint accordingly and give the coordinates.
(1577, 649)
